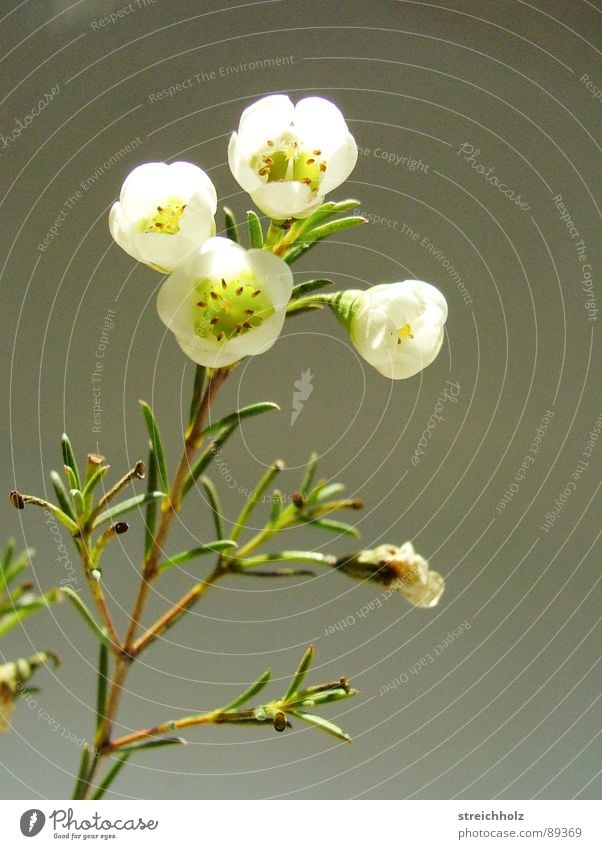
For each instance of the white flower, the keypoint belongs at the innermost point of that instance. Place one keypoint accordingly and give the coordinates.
(164, 212)
(419, 585)
(289, 157)
(224, 302)
(399, 568)
(398, 327)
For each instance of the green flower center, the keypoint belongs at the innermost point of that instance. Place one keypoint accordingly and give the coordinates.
(229, 308)
(285, 160)
(167, 219)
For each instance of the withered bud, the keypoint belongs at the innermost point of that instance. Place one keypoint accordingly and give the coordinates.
(139, 469)
(120, 527)
(280, 721)
(16, 499)
(298, 499)
(95, 459)
(279, 464)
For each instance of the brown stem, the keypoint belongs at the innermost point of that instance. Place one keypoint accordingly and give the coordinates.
(171, 616)
(130, 647)
(172, 504)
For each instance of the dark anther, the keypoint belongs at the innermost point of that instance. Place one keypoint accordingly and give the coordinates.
(16, 499)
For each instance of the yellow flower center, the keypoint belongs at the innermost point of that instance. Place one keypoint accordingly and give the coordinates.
(285, 160)
(404, 332)
(167, 219)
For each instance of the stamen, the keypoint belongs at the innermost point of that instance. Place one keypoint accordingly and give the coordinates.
(213, 295)
(214, 320)
(256, 293)
(224, 284)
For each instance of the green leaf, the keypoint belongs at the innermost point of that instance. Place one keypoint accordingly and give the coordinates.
(324, 697)
(125, 507)
(300, 674)
(335, 526)
(308, 477)
(207, 456)
(24, 607)
(255, 496)
(81, 783)
(237, 417)
(111, 775)
(290, 557)
(327, 210)
(155, 744)
(101, 690)
(277, 505)
(302, 289)
(250, 692)
(214, 504)
(69, 461)
(323, 724)
(85, 613)
(275, 573)
(332, 227)
(231, 228)
(93, 481)
(324, 492)
(184, 556)
(155, 438)
(197, 395)
(11, 568)
(62, 496)
(151, 506)
(255, 229)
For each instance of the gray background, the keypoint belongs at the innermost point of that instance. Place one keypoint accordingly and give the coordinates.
(506, 710)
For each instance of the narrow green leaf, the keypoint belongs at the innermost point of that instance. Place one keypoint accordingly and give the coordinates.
(231, 228)
(290, 557)
(297, 251)
(275, 573)
(184, 556)
(197, 394)
(308, 477)
(111, 775)
(324, 697)
(80, 784)
(7, 555)
(125, 507)
(335, 526)
(214, 504)
(155, 438)
(85, 613)
(155, 744)
(151, 505)
(331, 227)
(324, 492)
(24, 607)
(327, 210)
(239, 415)
(62, 496)
(323, 724)
(250, 692)
(300, 674)
(207, 456)
(71, 478)
(255, 497)
(11, 569)
(69, 460)
(277, 505)
(255, 229)
(78, 502)
(101, 690)
(302, 289)
(94, 480)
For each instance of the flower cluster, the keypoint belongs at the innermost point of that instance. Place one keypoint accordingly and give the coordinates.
(223, 302)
